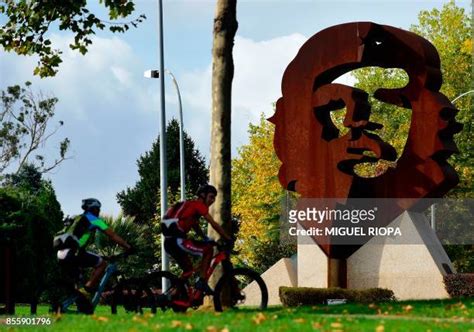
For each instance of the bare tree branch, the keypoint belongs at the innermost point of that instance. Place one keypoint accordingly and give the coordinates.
(25, 129)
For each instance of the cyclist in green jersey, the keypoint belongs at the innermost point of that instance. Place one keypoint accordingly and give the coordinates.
(72, 252)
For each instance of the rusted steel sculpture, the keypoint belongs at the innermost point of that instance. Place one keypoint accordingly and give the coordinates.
(318, 162)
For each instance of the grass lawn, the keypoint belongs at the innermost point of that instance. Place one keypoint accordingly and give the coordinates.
(437, 315)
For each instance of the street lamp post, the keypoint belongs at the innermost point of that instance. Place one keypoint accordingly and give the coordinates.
(462, 95)
(165, 264)
(163, 182)
(156, 74)
(181, 139)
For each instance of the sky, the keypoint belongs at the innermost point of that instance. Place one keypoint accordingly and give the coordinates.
(111, 112)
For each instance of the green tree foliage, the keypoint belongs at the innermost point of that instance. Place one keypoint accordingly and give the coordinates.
(454, 225)
(25, 128)
(28, 22)
(136, 235)
(141, 200)
(29, 203)
(449, 29)
(257, 199)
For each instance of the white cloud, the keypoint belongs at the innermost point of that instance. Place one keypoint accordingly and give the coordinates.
(257, 83)
(105, 104)
(259, 67)
(121, 74)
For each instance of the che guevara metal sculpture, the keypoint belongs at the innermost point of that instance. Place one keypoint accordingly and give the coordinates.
(318, 162)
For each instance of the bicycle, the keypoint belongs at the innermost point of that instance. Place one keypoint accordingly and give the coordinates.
(76, 302)
(229, 290)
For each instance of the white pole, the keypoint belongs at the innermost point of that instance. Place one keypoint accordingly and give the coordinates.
(461, 95)
(181, 139)
(163, 161)
(433, 217)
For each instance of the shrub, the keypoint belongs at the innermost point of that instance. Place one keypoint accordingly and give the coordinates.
(459, 284)
(295, 296)
(28, 203)
(462, 255)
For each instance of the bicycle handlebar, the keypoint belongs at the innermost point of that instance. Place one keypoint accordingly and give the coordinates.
(222, 245)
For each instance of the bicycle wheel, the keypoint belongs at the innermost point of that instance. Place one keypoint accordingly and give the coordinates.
(66, 298)
(58, 295)
(131, 295)
(83, 304)
(62, 289)
(175, 292)
(75, 302)
(241, 287)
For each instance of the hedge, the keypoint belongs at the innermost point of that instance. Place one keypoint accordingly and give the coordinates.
(459, 284)
(295, 296)
(38, 214)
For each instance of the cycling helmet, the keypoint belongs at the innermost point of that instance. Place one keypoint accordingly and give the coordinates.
(89, 203)
(206, 189)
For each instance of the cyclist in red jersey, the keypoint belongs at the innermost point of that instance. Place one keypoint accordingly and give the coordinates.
(179, 220)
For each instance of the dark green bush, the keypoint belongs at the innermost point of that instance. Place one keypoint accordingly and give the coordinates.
(295, 296)
(459, 284)
(29, 204)
(462, 255)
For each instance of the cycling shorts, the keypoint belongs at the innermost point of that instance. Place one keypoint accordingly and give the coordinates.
(179, 248)
(80, 258)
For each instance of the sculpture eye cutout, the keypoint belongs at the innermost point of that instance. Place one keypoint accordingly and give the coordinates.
(337, 118)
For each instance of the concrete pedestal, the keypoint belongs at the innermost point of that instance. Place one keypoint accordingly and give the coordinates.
(313, 265)
(413, 266)
(282, 273)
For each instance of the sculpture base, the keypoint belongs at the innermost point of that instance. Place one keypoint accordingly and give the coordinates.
(282, 273)
(412, 271)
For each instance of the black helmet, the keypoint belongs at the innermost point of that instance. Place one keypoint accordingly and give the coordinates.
(89, 203)
(206, 189)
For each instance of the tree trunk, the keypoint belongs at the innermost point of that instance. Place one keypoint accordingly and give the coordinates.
(225, 27)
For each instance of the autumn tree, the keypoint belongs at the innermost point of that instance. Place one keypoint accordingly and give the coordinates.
(257, 199)
(26, 126)
(28, 23)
